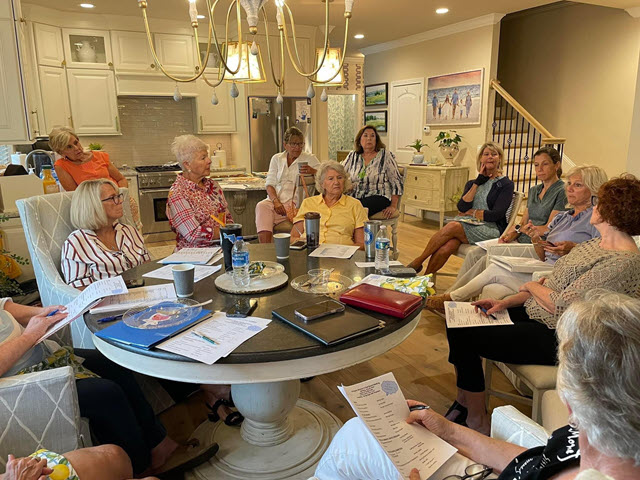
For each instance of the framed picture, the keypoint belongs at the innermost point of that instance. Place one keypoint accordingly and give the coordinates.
(377, 119)
(455, 99)
(375, 95)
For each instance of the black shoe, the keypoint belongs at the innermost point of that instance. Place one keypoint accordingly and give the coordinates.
(233, 419)
(461, 418)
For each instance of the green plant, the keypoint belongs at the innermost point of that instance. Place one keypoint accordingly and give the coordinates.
(418, 145)
(448, 138)
(9, 286)
(95, 146)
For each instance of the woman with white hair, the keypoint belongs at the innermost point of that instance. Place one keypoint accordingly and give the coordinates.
(599, 361)
(341, 217)
(101, 247)
(194, 198)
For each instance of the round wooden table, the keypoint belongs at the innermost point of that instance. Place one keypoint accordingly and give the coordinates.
(282, 437)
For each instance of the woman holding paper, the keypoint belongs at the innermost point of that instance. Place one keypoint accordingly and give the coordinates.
(603, 432)
(196, 206)
(102, 247)
(611, 262)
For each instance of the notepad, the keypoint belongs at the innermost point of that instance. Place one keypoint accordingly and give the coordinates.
(521, 264)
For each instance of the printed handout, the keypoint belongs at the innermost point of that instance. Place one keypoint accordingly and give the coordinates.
(463, 314)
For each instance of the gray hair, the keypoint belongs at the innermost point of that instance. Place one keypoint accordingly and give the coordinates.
(185, 146)
(87, 211)
(292, 132)
(599, 374)
(593, 177)
(322, 173)
(60, 137)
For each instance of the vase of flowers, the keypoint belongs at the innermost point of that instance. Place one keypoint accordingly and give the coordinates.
(418, 157)
(448, 142)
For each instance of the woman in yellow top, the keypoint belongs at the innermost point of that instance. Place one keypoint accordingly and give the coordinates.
(341, 217)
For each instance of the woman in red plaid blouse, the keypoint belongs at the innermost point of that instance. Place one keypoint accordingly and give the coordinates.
(194, 197)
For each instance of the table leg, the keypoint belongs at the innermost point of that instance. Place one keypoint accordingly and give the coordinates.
(281, 437)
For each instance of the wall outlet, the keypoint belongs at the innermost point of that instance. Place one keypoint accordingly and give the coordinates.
(426, 129)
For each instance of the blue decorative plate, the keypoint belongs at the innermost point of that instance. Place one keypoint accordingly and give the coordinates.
(161, 315)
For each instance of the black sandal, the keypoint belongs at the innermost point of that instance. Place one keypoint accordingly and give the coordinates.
(232, 420)
(461, 418)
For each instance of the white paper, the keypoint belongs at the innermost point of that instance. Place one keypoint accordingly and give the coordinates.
(392, 263)
(380, 404)
(216, 258)
(521, 264)
(89, 297)
(191, 255)
(201, 271)
(485, 244)
(463, 314)
(228, 333)
(136, 297)
(328, 250)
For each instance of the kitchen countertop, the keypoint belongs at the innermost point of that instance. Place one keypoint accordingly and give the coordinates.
(242, 183)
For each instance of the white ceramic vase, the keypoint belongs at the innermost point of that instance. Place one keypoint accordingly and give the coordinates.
(86, 52)
(449, 153)
(418, 158)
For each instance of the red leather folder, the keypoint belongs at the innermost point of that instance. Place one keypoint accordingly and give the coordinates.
(382, 300)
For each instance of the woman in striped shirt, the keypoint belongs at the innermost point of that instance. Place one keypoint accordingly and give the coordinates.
(102, 247)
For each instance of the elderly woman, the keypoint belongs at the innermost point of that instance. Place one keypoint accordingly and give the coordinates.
(612, 262)
(595, 336)
(102, 247)
(282, 180)
(374, 173)
(565, 231)
(486, 199)
(194, 198)
(545, 200)
(341, 217)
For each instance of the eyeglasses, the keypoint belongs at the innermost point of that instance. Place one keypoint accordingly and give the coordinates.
(116, 199)
(594, 200)
(477, 471)
(296, 144)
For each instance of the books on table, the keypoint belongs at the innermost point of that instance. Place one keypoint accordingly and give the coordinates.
(521, 264)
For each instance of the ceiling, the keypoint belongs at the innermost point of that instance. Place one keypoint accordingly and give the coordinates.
(379, 20)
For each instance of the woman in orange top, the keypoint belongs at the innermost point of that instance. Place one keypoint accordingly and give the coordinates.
(76, 166)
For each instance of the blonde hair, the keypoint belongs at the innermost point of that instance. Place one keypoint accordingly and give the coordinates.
(491, 146)
(87, 211)
(593, 177)
(60, 137)
(184, 147)
(322, 173)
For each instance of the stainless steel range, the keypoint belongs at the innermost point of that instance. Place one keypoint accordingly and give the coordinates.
(154, 182)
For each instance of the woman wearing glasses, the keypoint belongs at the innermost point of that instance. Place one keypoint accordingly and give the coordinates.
(102, 247)
(282, 181)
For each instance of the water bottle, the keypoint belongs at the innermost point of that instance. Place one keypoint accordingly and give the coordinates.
(240, 263)
(383, 244)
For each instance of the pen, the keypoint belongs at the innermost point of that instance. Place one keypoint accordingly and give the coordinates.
(419, 407)
(51, 314)
(109, 319)
(484, 310)
(204, 337)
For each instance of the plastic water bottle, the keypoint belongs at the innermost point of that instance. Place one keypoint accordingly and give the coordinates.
(240, 263)
(383, 244)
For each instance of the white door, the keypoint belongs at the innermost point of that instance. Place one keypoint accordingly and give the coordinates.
(219, 118)
(406, 112)
(131, 52)
(49, 45)
(94, 105)
(175, 52)
(55, 96)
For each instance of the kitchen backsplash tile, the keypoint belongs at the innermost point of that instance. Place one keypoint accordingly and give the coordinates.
(149, 125)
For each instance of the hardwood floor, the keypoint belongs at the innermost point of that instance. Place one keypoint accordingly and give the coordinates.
(419, 363)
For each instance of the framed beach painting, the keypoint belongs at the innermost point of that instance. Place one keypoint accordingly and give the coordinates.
(377, 119)
(375, 95)
(455, 98)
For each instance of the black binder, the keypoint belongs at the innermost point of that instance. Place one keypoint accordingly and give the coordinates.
(331, 329)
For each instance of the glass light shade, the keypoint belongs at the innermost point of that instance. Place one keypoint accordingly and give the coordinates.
(251, 68)
(329, 68)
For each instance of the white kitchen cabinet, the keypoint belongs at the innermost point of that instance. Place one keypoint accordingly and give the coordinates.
(87, 48)
(131, 52)
(55, 97)
(49, 46)
(94, 105)
(176, 53)
(211, 118)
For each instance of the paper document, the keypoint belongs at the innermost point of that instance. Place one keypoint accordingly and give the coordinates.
(521, 264)
(216, 258)
(463, 314)
(227, 333)
(89, 297)
(380, 404)
(485, 244)
(165, 273)
(328, 250)
(136, 297)
(198, 256)
(392, 263)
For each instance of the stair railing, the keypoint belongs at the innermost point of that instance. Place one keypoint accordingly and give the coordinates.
(520, 135)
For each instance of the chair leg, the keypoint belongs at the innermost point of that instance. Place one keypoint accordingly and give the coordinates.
(488, 374)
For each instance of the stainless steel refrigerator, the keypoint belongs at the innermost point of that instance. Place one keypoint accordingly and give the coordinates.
(268, 121)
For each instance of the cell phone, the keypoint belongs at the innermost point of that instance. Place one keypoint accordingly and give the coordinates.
(319, 310)
(134, 282)
(242, 308)
(404, 272)
(298, 245)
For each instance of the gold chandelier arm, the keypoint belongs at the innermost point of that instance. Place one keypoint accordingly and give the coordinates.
(299, 69)
(344, 52)
(280, 83)
(282, 87)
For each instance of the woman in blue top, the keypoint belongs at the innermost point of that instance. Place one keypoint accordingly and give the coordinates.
(487, 199)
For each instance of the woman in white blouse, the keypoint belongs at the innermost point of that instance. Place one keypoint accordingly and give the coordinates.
(102, 247)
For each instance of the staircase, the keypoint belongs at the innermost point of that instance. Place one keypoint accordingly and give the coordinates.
(520, 135)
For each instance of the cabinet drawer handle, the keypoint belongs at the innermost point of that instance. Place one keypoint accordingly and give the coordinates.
(117, 124)
(416, 178)
(153, 65)
(415, 197)
(201, 123)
